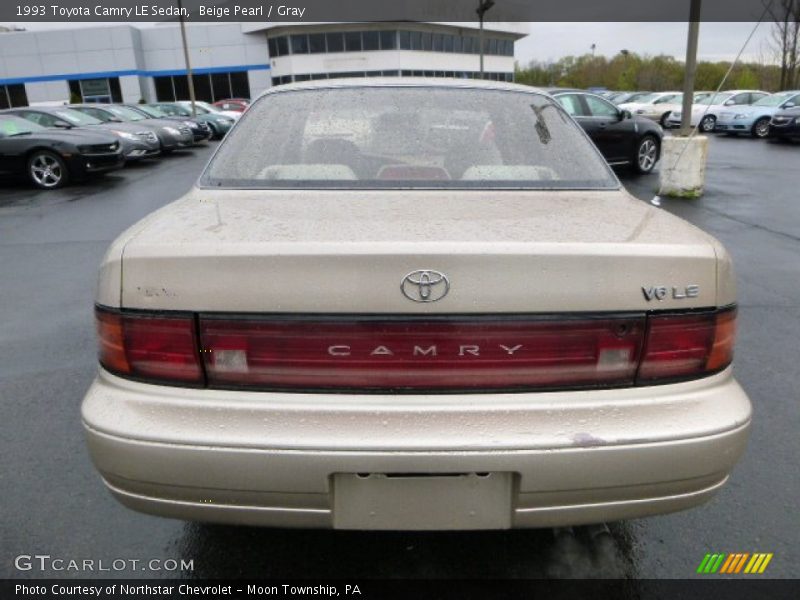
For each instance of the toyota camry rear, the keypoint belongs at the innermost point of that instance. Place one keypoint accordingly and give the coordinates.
(401, 304)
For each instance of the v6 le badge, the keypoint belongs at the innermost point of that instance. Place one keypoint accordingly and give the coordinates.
(661, 292)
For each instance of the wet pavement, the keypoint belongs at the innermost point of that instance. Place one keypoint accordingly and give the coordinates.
(54, 503)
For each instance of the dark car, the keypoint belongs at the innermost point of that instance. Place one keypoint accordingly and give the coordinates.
(623, 139)
(785, 124)
(171, 135)
(200, 131)
(136, 142)
(50, 157)
(218, 123)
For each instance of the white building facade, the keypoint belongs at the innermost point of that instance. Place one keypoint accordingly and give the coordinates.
(128, 64)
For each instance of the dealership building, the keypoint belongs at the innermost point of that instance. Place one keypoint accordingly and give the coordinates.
(124, 63)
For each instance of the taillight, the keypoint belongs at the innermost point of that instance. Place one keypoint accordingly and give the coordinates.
(153, 348)
(403, 354)
(415, 354)
(680, 346)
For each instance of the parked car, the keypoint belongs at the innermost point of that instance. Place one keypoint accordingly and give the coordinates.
(698, 96)
(216, 123)
(656, 106)
(623, 97)
(233, 104)
(136, 142)
(171, 135)
(755, 119)
(50, 158)
(707, 110)
(623, 139)
(448, 315)
(204, 108)
(201, 132)
(785, 124)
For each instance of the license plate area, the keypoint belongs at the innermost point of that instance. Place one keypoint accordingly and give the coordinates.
(417, 501)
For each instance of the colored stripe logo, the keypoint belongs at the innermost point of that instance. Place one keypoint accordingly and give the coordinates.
(734, 563)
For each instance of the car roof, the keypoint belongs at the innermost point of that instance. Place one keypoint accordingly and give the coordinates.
(44, 109)
(389, 82)
(560, 90)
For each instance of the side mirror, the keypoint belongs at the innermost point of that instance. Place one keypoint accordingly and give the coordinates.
(625, 114)
(2, 135)
(729, 103)
(789, 105)
(62, 125)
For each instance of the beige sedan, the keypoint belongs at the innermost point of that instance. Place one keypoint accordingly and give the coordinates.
(410, 304)
(656, 106)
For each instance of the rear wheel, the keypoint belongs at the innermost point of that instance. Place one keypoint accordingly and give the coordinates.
(760, 128)
(47, 170)
(646, 154)
(708, 123)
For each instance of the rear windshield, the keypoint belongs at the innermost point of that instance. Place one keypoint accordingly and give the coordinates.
(775, 99)
(173, 110)
(151, 110)
(410, 137)
(715, 99)
(125, 113)
(76, 117)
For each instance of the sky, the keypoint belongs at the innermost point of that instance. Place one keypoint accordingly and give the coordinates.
(550, 41)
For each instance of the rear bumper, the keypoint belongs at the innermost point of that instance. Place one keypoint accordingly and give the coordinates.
(271, 459)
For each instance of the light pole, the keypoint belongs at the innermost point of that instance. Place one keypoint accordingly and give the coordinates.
(483, 7)
(186, 58)
(691, 67)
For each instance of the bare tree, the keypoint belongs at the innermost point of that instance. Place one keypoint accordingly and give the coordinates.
(785, 40)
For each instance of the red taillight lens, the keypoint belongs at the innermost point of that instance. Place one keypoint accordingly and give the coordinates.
(683, 345)
(450, 354)
(444, 354)
(154, 348)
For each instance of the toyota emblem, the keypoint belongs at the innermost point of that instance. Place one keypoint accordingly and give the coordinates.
(425, 285)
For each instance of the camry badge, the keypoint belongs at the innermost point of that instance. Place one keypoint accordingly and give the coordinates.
(425, 285)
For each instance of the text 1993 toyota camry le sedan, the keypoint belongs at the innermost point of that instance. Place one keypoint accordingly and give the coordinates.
(413, 305)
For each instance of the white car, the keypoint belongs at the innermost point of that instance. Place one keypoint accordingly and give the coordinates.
(205, 107)
(707, 110)
(425, 318)
(656, 106)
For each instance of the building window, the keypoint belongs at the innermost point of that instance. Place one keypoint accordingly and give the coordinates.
(405, 40)
(13, 95)
(300, 44)
(371, 40)
(283, 45)
(208, 87)
(316, 43)
(335, 42)
(388, 40)
(103, 90)
(240, 85)
(352, 41)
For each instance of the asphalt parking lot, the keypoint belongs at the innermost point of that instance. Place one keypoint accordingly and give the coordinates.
(54, 503)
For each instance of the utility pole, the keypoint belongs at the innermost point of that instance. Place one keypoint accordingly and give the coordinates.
(186, 58)
(483, 7)
(691, 67)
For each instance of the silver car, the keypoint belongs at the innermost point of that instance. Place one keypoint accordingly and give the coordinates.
(411, 304)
